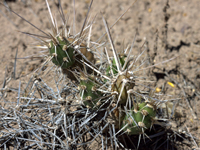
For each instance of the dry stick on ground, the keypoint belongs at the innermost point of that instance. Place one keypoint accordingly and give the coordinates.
(15, 63)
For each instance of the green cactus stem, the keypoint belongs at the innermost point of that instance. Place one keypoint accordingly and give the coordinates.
(88, 92)
(65, 56)
(62, 52)
(140, 119)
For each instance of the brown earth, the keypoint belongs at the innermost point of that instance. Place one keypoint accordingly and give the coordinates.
(170, 30)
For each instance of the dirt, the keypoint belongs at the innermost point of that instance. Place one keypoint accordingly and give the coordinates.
(171, 31)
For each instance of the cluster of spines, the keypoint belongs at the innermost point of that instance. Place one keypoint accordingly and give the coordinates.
(113, 65)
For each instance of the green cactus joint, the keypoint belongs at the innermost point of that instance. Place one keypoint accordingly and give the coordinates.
(89, 93)
(149, 108)
(143, 119)
(63, 54)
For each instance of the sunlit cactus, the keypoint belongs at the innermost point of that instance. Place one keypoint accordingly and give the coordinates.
(68, 54)
(121, 85)
(100, 104)
(89, 93)
(139, 118)
(62, 52)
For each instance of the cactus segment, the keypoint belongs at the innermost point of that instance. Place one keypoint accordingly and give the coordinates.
(122, 88)
(66, 53)
(88, 92)
(143, 119)
(118, 86)
(63, 54)
(149, 108)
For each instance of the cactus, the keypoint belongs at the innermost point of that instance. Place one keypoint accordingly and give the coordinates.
(139, 119)
(88, 91)
(62, 52)
(67, 54)
(106, 90)
(121, 85)
(66, 51)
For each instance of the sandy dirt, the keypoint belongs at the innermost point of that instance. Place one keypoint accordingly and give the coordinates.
(171, 31)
